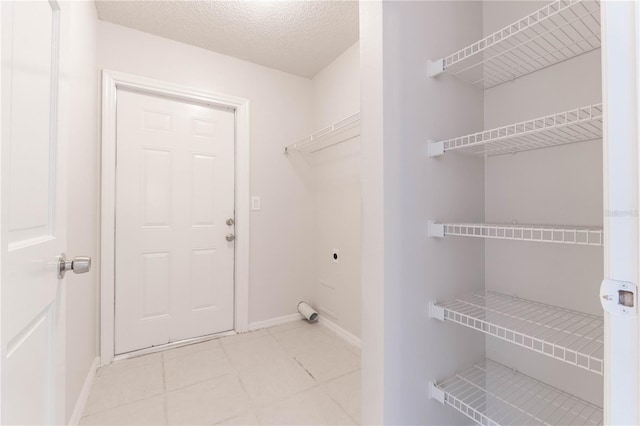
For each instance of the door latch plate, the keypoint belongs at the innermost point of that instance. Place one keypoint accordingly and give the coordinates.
(619, 297)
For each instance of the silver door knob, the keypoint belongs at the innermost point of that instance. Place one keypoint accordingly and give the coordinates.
(230, 221)
(230, 237)
(79, 265)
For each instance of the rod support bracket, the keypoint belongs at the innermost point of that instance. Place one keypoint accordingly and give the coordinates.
(435, 149)
(436, 311)
(436, 393)
(435, 67)
(435, 230)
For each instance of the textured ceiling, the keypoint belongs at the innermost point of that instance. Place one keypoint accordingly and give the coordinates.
(300, 37)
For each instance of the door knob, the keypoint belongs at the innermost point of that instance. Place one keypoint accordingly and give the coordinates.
(230, 237)
(79, 265)
(230, 221)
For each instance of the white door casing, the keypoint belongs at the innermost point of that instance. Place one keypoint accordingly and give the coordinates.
(174, 195)
(33, 227)
(113, 82)
(620, 97)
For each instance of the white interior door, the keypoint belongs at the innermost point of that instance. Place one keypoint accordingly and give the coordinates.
(174, 196)
(32, 217)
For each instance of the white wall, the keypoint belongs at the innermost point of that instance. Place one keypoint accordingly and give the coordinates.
(336, 89)
(281, 112)
(79, 103)
(402, 189)
(373, 250)
(336, 290)
(560, 185)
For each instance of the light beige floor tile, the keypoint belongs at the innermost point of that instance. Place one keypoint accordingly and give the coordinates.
(189, 349)
(207, 402)
(345, 391)
(278, 380)
(125, 364)
(195, 367)
(255, 353)
(327, 361)
(303, 338)
(312, 407)
(355, 350)
(247, 419)
(134, 384)
(146, 412)
(288, 326)
(243, 337)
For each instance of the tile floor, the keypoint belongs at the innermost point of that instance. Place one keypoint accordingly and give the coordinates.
(293, 374)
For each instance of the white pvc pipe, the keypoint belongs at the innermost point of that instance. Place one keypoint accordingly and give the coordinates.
(307, 311)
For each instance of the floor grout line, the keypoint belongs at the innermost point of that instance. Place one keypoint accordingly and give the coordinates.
(254, 407)
(344, 409)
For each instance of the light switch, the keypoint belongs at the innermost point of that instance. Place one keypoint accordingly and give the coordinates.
(255, 203)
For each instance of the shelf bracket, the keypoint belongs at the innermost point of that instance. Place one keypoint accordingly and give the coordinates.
(619, 297)
(435, 230)
(435, 149)
(436, 311)
(435, 67)
(436, 393)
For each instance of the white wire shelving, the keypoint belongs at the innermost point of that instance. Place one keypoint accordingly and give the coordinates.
(492, 394)
(339, 132)
(554, 33)
(577, 125)
(573, 337)
(587, 236)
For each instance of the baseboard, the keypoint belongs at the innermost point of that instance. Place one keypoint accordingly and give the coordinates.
(84, 394)
(274, 321)
(350, 338)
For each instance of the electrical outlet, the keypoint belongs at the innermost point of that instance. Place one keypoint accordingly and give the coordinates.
(335, 255)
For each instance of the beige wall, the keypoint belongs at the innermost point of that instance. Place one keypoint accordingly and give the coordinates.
(281, 112)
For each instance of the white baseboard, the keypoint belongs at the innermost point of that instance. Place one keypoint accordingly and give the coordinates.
(274, 321)
(350, 338)
(84, 394)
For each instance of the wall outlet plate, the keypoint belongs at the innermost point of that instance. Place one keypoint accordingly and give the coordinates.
(335, 256)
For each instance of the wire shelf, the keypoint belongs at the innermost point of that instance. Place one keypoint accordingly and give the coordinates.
(341, 131)
(569, 336)
(559, 31)
(491, 394)
(577, 125)
(536, 233)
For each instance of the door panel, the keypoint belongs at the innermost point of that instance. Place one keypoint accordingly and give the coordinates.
(32, 215)
(174, 192)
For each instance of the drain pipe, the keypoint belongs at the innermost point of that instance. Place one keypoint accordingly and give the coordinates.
(307, 311)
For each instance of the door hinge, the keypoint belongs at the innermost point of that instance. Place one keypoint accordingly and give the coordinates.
(619, 297)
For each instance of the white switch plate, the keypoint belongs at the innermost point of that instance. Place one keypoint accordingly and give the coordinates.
(335, 256)
(255, 203)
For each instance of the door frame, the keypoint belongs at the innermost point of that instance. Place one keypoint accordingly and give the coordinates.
(620, 32)
(111, 82)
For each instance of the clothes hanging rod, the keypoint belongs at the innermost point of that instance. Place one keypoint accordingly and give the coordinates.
(339, 132)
